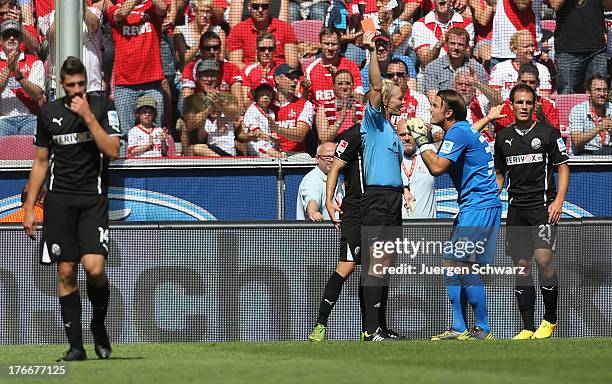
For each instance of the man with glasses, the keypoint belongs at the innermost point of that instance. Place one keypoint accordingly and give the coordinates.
(415, 103)
(22, 80)
(80, 133)
(241, 42)
(261, 71)
(311, 194)
(590, 122)
(439, 74)
(544, 111)
(384, 47)
(230, 79)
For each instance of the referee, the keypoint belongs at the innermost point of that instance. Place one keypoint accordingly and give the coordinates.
(381, 208)
(80, 134)
(348, 160)
(527, 152)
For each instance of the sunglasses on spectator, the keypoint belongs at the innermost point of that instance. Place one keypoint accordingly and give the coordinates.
(529, 82)
(392, 75)
(325, 158)
(211, 47)
(263, 7)
(293, 76)
(74, 84)
(266, 49)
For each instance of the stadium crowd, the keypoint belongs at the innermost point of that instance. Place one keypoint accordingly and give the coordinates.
(274, 78)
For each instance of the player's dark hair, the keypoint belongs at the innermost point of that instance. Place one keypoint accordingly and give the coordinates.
(522, 88)
(531, 69)
(589, 82)
(72, 66)
(399, 61)
(455, 103)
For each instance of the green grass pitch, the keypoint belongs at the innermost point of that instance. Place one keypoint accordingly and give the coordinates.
(554, 361)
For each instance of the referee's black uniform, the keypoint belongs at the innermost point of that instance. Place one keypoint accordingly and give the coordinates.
(76, 205)
(349, 151)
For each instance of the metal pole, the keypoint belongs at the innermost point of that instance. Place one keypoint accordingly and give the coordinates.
(68, 34)
(280, 191)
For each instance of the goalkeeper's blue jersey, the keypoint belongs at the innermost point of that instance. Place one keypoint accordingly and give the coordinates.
(473, 169)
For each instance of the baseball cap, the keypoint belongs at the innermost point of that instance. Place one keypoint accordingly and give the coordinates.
(9, 24)
(146, 101)
(381, 35)
(286, 69)
(207, 65)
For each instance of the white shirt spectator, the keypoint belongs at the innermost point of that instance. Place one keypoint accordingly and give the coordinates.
(140, 135)
(254, 120)
(505, 75)
(221, 133)
(312, 187)
(428, 30)
(506, 22)
(422, 186)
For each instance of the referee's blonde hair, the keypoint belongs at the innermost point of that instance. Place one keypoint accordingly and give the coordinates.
(387, 87)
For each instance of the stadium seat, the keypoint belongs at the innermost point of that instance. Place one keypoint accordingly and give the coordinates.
(307, 30)
(551, 25)
(565, 103)
(19, 147)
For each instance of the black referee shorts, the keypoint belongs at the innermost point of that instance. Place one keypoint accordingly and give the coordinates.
(74, 225)
(350, 236)
(381, 206)
(527, 229)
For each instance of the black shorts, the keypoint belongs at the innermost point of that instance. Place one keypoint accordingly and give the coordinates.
(350, 237)
(74, 225)
(527, 229)
(382, 206)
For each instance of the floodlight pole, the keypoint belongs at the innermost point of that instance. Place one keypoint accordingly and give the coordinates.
(69, 34)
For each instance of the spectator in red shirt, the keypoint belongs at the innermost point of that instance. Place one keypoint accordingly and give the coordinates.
(241, 43)
(321, 71)
(262, 71)
(230, 79)
(136, 29)
(186, 37)
(545, 110)
(347, 111)
(294, 116)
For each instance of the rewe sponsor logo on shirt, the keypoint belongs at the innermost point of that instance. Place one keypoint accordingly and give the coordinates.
(135, 30)
(325, 94)
(72, 138)
(524, 159)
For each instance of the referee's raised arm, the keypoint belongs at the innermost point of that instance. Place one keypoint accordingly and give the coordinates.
(375, 94)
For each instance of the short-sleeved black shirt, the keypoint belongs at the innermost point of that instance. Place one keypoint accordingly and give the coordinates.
(76, 164)
(529, 160)
(349, 151)
(580, 27)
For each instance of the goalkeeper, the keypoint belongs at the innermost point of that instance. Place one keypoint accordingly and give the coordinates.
(467, 158)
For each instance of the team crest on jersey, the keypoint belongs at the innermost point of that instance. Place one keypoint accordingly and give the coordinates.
(292, 114)
(446, 147)
(536, 143)
(342, 145)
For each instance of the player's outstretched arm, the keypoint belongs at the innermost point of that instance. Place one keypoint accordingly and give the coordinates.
(330, 190)
(556, 207)
(37, 178)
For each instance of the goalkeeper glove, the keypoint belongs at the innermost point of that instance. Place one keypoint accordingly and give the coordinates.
(418, 131)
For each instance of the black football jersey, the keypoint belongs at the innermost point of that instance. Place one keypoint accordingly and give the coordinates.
(528, 160)
(76, 165)
(349, 150)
